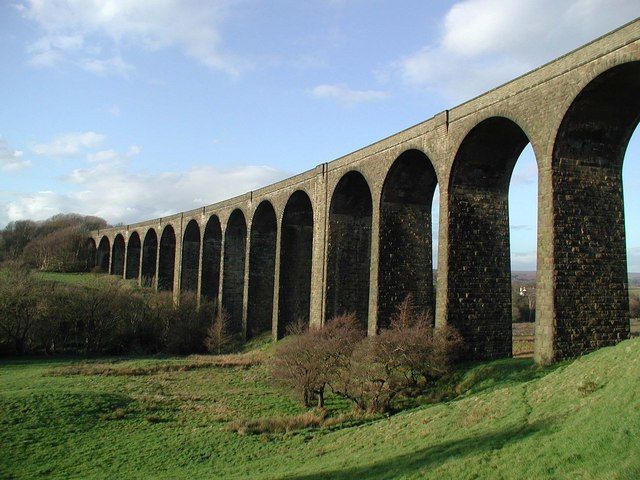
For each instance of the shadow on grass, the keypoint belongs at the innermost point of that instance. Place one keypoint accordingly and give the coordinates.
(431, 457)
(500, 373)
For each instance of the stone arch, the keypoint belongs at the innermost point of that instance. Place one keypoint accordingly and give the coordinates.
(479, 264)
(117, 262)
(167, 259)
(235, 240)
(149, 258)
(590, 304)
(91, 252)
(349, 248)
(134, 250)
(406, 258)
(211, 248)
(296, 248)
(190, 257)
(104, 252)
(262, 268)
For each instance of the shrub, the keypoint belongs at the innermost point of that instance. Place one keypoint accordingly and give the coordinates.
(20, 309)
(308, 360)
(187, 326)
(401, 360)
(219, 338)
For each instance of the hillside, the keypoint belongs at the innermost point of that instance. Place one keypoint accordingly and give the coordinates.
(165, 418)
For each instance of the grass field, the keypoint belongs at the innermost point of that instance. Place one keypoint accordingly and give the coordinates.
(166, 418)
(84, 279)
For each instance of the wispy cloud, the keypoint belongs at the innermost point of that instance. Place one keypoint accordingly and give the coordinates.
(486, 42)
(11, 160)
(344, 95)
(93, 34)
(68, 144)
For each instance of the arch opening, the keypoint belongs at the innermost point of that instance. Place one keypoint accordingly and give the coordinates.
(591, 302)
(190, 258)
(349, 248)
(91, 252)
(479, 261)
(104, 252)
(167, 259)
(262, 263)
(235, 239)
(211, 249)
(294, 293)
(630, 175)
(406, 258)
(149, 258)
(133, 256)
(117, 263)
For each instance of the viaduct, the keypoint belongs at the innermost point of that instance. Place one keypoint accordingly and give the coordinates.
(354, 234)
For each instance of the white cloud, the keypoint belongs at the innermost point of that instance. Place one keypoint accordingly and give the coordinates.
(69, 144)
(11, 160)
(346, 96)
(112, 156)
(114, 110)
(484, 43)
(78, 31)
(107, 66)
(112, 190)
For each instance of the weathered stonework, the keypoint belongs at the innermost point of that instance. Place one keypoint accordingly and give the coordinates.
(354, 234)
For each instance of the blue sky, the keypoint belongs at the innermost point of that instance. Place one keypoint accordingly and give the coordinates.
(134, 109)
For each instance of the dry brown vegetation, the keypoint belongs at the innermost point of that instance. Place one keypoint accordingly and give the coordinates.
(371, 372)
(191, 363)
(317, 418)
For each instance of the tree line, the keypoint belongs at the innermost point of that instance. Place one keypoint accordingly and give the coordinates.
(57, 244)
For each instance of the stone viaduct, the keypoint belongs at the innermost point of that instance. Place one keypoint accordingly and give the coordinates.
(354, 234)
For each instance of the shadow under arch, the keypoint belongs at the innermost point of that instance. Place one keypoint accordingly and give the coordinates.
(91, 254)
(211, 249)
(590, 303)
(103, 254)
(190, 257)
(296, 254)
(134, 250)
(167, 259)
(149, 258)
(479, 264)
(117, 262)
(349, 248)
(235, 240)
(262, 263)
(406, 258)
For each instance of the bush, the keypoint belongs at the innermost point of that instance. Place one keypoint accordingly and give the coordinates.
(20, 310)
(310, 358)
(372, 371)
(402, 360)
(219, 339)
(187, 327)
(37, 316)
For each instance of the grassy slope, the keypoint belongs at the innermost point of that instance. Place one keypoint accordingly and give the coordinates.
(580, 420)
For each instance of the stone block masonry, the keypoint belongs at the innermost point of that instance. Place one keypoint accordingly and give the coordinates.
(354, 234)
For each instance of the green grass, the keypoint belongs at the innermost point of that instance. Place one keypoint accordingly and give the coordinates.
(578, 420)
(82, 279)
